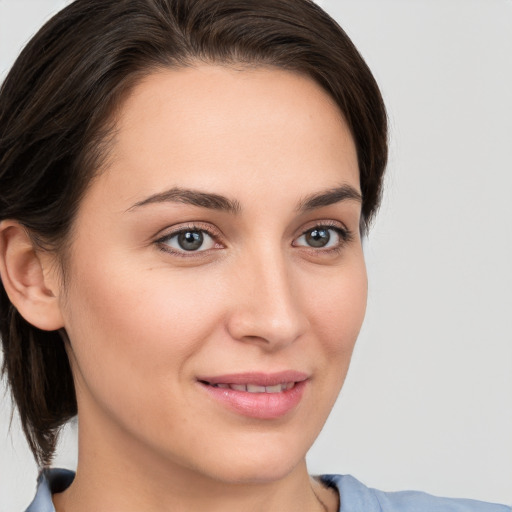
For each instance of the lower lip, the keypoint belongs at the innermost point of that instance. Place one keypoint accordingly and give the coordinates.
(266, 406)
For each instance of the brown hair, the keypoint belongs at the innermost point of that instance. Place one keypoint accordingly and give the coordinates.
(56, 109)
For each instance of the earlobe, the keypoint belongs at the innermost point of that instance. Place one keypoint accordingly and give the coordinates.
(24, 278)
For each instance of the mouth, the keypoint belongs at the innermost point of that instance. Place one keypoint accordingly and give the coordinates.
(257, 395)
(254, 388)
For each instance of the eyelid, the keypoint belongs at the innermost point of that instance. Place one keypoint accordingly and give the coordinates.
(330, 224)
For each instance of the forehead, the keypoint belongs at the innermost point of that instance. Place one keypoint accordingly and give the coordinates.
(208, 126)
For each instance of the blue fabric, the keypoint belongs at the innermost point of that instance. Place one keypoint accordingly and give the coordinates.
(49, 482)
(354, 497)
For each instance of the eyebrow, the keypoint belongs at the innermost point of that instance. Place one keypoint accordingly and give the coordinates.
(193, 197)
(222, 203)
(329, 197)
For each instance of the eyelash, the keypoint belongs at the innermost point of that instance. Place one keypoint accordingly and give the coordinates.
(162, 242)
(344, 234)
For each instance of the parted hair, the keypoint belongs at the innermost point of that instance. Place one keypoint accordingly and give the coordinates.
(57, 115)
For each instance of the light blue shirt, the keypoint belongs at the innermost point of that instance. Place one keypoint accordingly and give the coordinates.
(354, 497)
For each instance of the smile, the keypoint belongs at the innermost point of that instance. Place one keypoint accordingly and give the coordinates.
(257, 395)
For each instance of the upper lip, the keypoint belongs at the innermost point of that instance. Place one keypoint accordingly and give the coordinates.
(256, 378)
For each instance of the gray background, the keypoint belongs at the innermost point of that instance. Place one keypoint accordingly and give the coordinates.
(428, 401)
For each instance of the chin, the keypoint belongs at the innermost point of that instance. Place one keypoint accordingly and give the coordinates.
(269, 460)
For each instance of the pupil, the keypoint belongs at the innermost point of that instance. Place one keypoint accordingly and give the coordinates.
(318, 237)
(190, 240)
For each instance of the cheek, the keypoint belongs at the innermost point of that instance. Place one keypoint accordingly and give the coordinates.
(339, 308)
(135, 329)
(338, 311)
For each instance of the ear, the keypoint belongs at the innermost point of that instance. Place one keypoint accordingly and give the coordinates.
(29, 278)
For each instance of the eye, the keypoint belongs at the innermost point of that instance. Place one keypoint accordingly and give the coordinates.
(323, 237)
(188, 240)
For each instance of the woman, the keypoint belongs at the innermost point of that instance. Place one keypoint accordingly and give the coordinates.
(184, 186)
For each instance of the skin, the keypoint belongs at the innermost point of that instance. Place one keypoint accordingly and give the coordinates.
(144, 322)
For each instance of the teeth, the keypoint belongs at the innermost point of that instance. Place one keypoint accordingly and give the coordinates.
(254, 388)
(275, 389)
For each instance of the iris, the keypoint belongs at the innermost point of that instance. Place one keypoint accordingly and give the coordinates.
(190, 240)
(318, 237)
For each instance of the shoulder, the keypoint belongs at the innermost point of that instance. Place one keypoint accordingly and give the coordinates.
(50, 481)
(356, 497)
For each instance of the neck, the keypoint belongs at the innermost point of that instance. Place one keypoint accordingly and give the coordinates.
(115, 475)
(121, 490)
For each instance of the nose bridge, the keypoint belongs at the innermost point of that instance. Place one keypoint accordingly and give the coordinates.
(267, 306)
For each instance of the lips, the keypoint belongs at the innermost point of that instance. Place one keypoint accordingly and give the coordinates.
(257, 395)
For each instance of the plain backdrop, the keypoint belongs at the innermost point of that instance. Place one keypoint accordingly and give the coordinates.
(428, 401)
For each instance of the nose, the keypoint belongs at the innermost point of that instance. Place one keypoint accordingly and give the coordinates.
(267, 304)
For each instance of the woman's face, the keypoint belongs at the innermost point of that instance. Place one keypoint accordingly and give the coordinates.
(216, 281)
